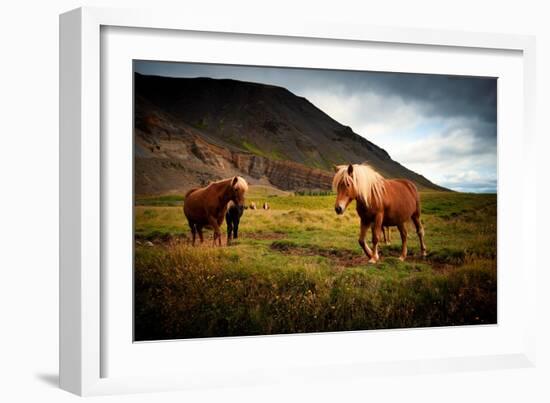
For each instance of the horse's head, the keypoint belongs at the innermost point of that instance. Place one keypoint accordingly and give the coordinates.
(238, 189)
(344, 185)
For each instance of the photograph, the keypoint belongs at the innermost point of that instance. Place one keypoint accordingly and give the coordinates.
(272, 200)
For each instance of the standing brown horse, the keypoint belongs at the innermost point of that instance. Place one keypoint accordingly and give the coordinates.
(207, 206)
(380, 202)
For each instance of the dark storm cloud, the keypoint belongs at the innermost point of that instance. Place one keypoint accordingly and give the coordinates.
(483, 138)
(445, 96)
(434, 95)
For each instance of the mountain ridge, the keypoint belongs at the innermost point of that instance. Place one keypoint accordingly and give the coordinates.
(189, 131)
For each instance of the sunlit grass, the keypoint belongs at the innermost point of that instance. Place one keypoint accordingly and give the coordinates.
(298, 268)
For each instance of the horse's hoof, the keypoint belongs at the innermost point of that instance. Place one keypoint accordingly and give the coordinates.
(373, 260)
(402, 258)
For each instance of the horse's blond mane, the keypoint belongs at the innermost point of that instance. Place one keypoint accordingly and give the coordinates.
(365, 181)
(241, 183)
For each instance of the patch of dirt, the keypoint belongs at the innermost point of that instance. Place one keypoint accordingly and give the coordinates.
(168, 240)
(342, 258)
(339, 257)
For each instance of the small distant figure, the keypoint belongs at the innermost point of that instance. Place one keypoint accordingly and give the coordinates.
(252, 206)
(233, 217)
(266, 206)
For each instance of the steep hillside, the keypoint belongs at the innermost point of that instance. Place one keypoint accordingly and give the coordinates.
(191, 131)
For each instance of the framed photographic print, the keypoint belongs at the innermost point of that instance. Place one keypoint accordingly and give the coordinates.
(252, 150)
(237, 198)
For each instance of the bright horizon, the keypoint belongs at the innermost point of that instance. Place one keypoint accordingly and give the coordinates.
(442, 127)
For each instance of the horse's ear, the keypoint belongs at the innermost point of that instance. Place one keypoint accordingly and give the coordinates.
(350, 169)
(235, 180)
(336, 168)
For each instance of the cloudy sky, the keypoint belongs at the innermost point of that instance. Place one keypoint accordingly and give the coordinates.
(443, 127)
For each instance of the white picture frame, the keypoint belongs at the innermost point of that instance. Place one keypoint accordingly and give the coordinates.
(84, 340)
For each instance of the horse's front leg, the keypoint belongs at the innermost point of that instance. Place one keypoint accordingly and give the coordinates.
(229, 231)
(236, 230)
(376, 236)
(362, 234)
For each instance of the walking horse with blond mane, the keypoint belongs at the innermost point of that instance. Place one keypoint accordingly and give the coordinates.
(380, 203)
(206, 207)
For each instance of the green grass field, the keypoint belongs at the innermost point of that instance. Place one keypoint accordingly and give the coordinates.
(298, 268)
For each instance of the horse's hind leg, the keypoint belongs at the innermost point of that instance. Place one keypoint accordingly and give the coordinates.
(217, 236)
(199, 231)
(403, 232)
(420, 233)
(217, 232)
(387, 238)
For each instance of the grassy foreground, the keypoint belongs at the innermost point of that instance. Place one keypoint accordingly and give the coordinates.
(298, 268)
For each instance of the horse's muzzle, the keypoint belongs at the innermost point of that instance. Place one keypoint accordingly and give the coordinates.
(338, 210)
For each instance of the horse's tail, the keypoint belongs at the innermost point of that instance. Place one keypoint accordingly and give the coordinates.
(416, 194)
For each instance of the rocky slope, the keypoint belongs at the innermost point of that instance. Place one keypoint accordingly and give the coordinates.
(191, 131)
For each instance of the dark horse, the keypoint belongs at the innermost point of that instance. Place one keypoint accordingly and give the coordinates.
(206, 207)
(380, 203)
(232, 218)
